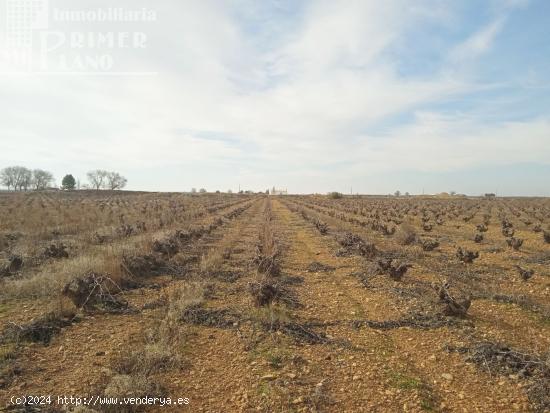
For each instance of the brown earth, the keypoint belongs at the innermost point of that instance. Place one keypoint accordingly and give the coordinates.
(324, 353)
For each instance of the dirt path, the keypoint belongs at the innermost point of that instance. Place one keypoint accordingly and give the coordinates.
(404, 368)
(78, 360)
(220, 376)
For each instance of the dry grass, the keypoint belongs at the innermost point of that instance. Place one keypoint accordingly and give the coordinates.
(406, 235)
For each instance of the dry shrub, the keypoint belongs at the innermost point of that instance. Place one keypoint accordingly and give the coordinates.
(180, 298)
(142, 265)
(514, 243)
(266, 292)
(395, 268)
(478, 238)
(453, 306)
(525, 274)
(321, 226)
(466, 256)
(406, 235)
(429, 244)
(546, 236)
(93, 292)
(15, 263)
(349, 240)
(54, 275)
(58, 250)
(149, 359)
(482, 227)
(301, 333)
(267, 264)
(353, 243)
(212, 261)
(505, 360)
(385, 229)
(508, 232)
(210, 317)
(40, 330)
(166, 246)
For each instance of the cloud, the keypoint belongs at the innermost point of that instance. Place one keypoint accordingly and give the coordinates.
(439, 143)
(243, 99)
(478, 43)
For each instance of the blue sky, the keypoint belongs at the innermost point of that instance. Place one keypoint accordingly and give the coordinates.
(313, 96)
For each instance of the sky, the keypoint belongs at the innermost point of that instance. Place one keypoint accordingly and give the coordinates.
(314, 96)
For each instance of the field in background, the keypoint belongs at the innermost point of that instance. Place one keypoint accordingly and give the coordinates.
(276, 304)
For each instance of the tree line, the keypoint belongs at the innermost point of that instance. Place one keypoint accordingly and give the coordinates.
(19, 178)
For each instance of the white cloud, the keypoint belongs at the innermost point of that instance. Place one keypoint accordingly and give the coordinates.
(446, 143)
(478, 43)
(294, 104)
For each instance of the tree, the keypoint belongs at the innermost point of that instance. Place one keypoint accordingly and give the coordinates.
(17, 177)
(97, 178)
(68, 183)
(193, 190)
(116, 180)
(7, 177)
(26, 179)
(397, 193)
(229, 191)
(202, 191)
(41, 179)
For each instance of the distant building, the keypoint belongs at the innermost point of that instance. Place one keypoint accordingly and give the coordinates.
(490, 195)
(275, 191)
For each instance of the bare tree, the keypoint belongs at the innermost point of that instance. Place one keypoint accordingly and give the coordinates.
(17, 177)
(116, 180)
(25, 179)
(97, 178)
(41, 179)
(7, 177)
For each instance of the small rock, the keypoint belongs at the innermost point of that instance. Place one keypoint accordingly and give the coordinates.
(447, 376)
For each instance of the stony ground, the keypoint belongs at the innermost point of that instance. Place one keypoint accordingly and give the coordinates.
(322, 351)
